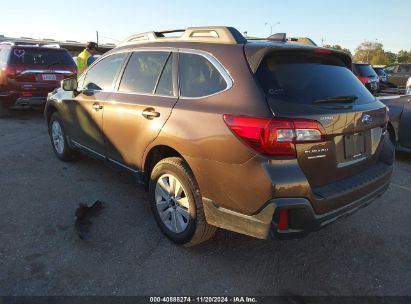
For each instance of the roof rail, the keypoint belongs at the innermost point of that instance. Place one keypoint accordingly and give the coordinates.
(278, 37)
(302, 40)
(52, 45)
(7, 43)
(208, 34)
(282, 37)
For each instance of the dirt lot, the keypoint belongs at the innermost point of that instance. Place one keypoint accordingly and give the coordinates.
(368, 253)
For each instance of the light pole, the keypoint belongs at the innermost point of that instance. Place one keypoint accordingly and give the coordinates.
(271, 26)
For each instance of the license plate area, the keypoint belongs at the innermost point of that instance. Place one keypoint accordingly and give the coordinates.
(49, 77)
(354, 146)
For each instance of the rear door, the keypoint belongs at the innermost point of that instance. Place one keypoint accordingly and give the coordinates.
(320, 87)
(86, 108)
(145, 96)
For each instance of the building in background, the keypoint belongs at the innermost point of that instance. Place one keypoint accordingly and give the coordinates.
(74, 47)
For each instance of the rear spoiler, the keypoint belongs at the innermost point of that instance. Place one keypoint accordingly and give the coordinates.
(256, 53)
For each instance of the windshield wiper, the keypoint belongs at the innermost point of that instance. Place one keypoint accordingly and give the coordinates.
(338, 99)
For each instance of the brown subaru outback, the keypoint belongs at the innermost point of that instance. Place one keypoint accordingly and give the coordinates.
(265, 138)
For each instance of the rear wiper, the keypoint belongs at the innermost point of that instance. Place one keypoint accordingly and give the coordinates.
(337, 99)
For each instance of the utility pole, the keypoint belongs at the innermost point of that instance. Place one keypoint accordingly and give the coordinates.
(97, 37)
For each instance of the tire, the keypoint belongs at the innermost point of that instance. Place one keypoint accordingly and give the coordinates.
(58, 138)
(187, 206)
(4, 111)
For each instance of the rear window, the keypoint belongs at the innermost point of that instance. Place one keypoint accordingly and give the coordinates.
(379, 71)
(364, 70)
(35, 56)
(304, 77)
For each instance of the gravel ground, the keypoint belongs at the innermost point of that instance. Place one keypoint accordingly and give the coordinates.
(368, 253)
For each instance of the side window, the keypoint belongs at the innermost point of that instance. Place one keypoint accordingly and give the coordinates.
(165, 84)
(142, 72)
(4, 56)
(101, 76)
(404, 68)
(198, 76)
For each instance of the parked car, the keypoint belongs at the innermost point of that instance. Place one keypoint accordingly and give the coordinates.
(408, 87)
(283, 144)
(399, 126)
(382, 76)
(29, 73)
(367, 76)
(398, 75)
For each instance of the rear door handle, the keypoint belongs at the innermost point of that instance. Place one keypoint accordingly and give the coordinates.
(97, 107)
(150, 113)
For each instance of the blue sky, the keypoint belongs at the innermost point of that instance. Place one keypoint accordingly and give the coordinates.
(347, 23)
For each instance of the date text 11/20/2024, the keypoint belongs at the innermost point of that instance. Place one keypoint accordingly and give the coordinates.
(203, 300)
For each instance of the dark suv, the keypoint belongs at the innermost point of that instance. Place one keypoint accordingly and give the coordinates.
(29, 73)
(263, 138)
(368, 77)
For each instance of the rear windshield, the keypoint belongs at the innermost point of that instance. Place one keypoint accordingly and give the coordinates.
(35, 56)
(305, 77)
(379, 71)
(364, 70)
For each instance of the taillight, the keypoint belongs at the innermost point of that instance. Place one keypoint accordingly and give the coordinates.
(9, 71)
(364, 80)
(275, 136)
(323, 51)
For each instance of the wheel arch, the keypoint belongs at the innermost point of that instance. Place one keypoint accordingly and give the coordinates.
(50, 109)
(155, 154)
(391, 130)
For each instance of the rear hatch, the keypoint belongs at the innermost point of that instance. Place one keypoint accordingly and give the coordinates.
(317, 84)
(39, 69)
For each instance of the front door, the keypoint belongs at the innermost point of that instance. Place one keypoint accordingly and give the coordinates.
(87, 107)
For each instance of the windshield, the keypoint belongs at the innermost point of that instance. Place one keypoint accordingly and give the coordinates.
(33, 56)
(304, 78)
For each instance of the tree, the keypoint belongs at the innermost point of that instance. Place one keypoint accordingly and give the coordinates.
(338, 48)
(404, 56)
(380, 58)
(367, 50)
(392, 58)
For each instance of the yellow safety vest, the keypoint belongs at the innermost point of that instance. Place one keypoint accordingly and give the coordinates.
(82, 62)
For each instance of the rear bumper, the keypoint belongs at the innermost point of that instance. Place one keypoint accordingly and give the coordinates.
(302, 217)
(30, 101)
(13, 98)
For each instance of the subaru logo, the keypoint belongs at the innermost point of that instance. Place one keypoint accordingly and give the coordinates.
(366, 119)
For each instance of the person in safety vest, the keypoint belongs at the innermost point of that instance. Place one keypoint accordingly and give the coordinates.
(85, 58)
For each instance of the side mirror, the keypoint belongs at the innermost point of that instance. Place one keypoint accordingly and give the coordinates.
(69, 84)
